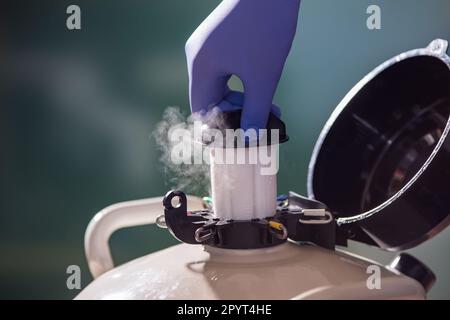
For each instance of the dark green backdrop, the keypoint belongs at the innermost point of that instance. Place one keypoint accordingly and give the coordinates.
(77, 109)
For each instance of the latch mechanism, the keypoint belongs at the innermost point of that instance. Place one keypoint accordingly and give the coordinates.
(297, 218)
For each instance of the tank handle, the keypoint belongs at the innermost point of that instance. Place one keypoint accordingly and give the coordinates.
(118, 216)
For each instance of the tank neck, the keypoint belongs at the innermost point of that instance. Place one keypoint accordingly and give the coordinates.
(281, 251)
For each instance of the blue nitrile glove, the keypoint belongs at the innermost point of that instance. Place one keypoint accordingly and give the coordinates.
(250, 39)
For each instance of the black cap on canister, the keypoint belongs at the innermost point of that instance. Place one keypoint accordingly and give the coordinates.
(228, 124)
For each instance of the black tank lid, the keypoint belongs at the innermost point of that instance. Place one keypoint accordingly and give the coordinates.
(382, 161)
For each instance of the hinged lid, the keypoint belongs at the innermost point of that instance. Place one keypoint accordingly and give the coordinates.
(382, 161)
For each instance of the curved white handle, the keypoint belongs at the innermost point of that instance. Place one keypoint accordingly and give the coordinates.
(118, 216)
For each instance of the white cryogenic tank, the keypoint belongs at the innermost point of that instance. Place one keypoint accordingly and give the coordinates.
(381, 176)
(287, 271)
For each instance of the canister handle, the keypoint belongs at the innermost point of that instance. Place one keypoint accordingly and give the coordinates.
(118, 216)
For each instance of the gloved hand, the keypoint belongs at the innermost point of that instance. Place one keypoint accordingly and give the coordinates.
(250, 39)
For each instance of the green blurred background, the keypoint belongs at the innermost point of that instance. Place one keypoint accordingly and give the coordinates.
(77, 109)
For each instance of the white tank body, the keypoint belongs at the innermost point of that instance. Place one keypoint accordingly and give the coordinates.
(287, 271)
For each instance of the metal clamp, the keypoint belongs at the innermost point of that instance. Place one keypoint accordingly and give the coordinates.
(161, 221)
(204, 233)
